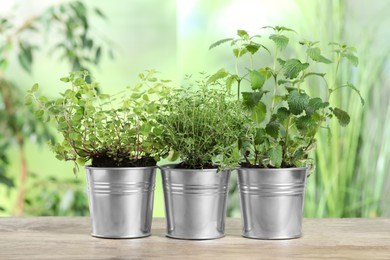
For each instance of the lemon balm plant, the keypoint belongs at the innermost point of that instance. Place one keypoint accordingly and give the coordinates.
(285, 121)
(202, 127)
(121, 138)
(285, 117)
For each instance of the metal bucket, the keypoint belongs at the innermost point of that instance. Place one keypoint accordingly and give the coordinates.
(195, 202)
(272, 202)
(121, 201)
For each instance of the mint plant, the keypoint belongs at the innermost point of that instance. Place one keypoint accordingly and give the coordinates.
(285, 118)
(202, 126)
(111, 130)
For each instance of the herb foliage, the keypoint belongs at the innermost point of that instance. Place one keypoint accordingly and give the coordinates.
(285, 117)
(202, 126)
(113, 130)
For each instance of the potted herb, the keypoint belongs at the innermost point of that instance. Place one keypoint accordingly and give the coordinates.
(119, 136)
(285, 121)
(201, 127)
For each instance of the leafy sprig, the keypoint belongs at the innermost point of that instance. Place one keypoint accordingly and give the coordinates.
(285, 118)
(113, 130)
(202, 126)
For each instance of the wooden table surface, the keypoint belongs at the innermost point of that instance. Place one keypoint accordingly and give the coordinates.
(69, 238)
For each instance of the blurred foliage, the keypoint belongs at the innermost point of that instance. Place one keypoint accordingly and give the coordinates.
(50, 196)
(65, 26)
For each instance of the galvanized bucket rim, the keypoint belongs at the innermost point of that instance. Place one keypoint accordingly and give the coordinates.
(273, 169)
(119, 168)
(171, 167)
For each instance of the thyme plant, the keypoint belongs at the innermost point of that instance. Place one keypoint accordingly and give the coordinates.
(285, 117)
(202, 126)
(111, 130)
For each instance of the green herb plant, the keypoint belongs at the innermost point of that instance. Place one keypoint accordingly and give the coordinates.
(285, 118)
(111, 130)
(202, 126)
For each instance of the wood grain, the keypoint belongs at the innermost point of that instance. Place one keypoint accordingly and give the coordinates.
(68, 238)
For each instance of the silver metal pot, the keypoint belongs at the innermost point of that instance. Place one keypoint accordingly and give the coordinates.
(121, 201)
(195, 202)
(272, 202)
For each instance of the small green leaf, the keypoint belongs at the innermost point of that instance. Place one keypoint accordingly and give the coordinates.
(251, 99)
(315, 54)
(276, 155)
(260, 136)
(259, 112)
(280, 41)
(292, 67)
(230, 81)
(217, 43)
(252, 48)
(65, 79)
(297, 101)
(353, 59)
(239, 52)
(257, 79)
(35, 88)
(281, 61)
(39, 113)
(315, 104)
(272, 129)
(220, 74)
(243, 34)
(282, 114)
(342, 116)
(28, 100)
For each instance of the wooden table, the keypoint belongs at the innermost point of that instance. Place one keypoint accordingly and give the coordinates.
(68, 238)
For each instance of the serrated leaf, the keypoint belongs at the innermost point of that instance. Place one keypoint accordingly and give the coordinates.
(281, 61)
(257, 79)
(217, 43)
(342, 116)
(293, 67)
(222, 73)
(239, 52)
(315, 104)
(297, 101)
(259, 112)
(260, 136)
(266, 72)
(252, 48)
(353, 59)
(280, 41)
(251, 99)
(315, 54)
(283, 28)
(243, 34)
(230, 81)
(287, 81)
(272, 129)
(303, 123)
(282, 114)
(276, 155)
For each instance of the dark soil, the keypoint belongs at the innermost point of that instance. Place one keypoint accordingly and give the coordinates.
(248, 165)
(187, 166)
(106, 161)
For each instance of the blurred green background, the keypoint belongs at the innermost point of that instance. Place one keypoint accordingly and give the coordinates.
(352, 174)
